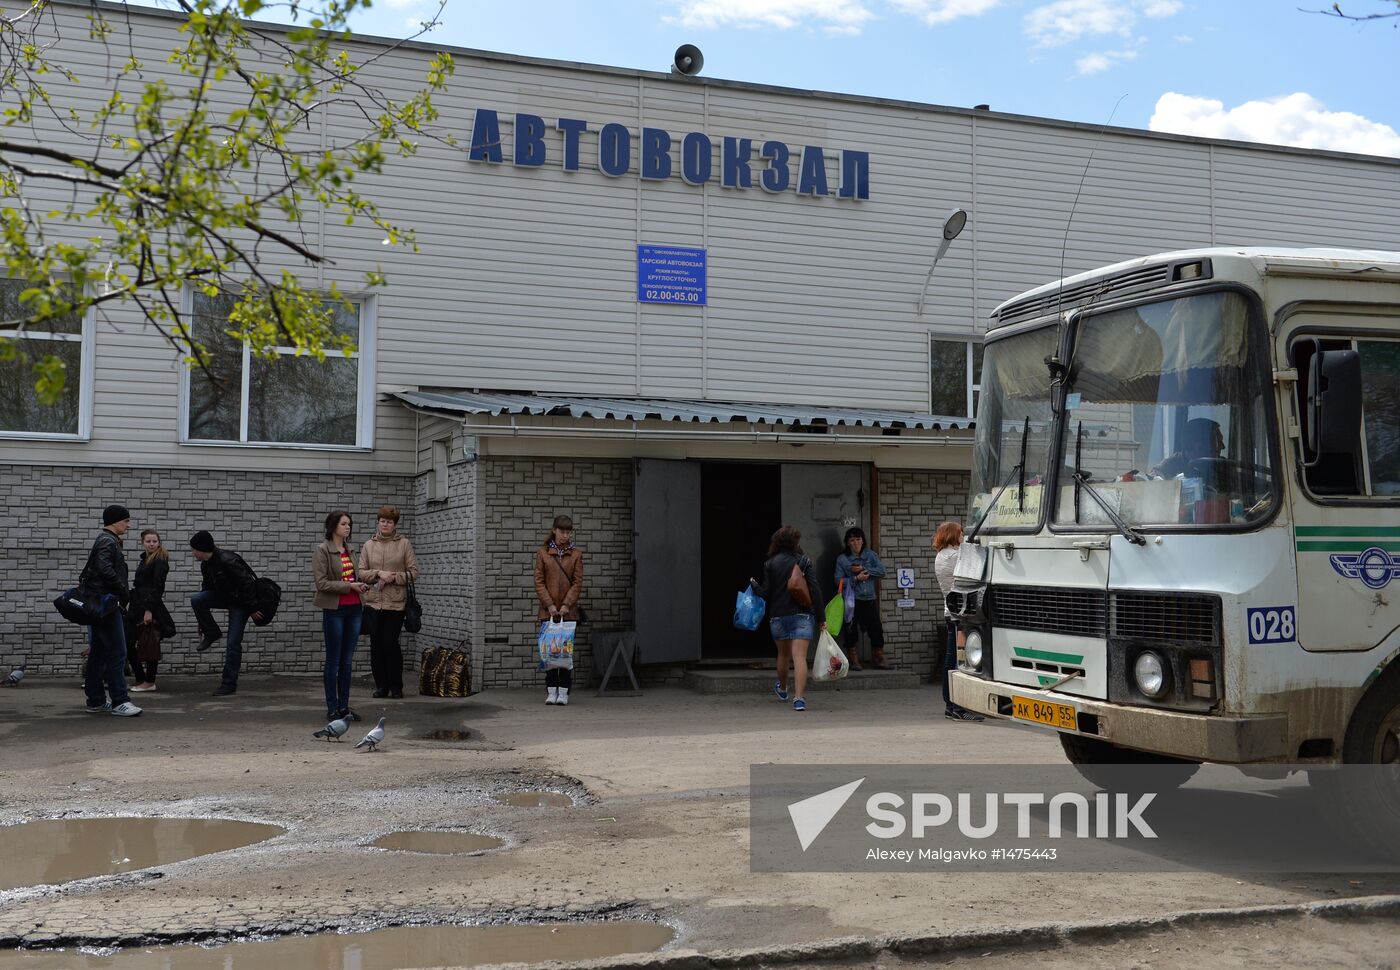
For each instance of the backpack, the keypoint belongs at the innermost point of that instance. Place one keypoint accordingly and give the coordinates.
(267, 596)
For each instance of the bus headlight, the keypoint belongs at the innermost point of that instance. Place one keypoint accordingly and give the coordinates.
(972, 649)
(1150, 672)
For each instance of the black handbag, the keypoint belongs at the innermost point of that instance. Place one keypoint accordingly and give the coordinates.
(78, 607)
(412, 611)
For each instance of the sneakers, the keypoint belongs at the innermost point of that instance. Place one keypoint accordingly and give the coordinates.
(962, 714)
(778, 689)
(563, 696)
(126, 709)
(224, 690)
(207, 641)
(553, 696)
(799, 705)
(103, 708)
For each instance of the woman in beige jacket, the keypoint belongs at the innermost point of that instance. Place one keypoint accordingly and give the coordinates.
(339, 594)
(388, 564)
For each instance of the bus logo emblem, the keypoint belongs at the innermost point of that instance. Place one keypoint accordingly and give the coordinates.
(1375, 567)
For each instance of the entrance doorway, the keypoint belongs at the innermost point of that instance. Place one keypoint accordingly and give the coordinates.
(740, 508)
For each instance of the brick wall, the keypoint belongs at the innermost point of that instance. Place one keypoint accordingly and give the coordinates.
(445, 541)
(520, 498)
(272, 519)
(912, 503)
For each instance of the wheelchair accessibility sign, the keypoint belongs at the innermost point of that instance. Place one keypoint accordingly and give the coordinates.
(905, 578)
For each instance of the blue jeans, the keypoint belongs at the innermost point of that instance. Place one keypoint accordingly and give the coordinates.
(203, 603)
(950, 663)
(106, 661)
(341, 627)
(798, 626)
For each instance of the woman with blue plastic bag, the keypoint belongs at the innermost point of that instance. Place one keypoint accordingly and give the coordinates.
(859, 567)
(795, 615)
(558, 585)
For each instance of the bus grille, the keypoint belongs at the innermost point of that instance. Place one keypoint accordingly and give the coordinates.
(1074, 612)
(1167, 616)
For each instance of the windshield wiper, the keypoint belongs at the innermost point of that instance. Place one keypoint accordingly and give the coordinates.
(1082, 480)
(1019, 470)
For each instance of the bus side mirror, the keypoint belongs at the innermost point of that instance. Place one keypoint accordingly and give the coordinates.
(1334, 403)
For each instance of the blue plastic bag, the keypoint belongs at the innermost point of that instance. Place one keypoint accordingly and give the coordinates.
(748, 610)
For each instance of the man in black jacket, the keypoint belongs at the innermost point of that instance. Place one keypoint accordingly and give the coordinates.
(228, 585)
(104, 577)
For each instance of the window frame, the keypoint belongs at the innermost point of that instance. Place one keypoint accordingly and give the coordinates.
(87, 359)
(972, 381)
(364, 388)
(1353, 335)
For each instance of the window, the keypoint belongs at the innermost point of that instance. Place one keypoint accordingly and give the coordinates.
(69, 339)
(291, 400)
(437, 481)
(955, 370)
(1372, 468)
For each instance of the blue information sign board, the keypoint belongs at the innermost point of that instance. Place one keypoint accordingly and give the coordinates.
(671, 274)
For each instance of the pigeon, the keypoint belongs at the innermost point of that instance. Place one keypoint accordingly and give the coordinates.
(374, 737)
(15, 677)
(333, 730)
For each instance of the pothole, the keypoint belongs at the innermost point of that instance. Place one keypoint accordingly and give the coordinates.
(50, 851)
(437, 843)
(534, 799)
(397, 948)
(446, 734)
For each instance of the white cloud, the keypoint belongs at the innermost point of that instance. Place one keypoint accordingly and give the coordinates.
(934, 12)
(402, 4)
(1299, 120)
(1095, 63)
(1069, 20)
(842, 16)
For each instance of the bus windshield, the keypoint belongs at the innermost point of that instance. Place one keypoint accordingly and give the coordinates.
(1014, 412)
(1164, 415)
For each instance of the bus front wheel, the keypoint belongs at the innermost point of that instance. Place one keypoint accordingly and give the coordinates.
(1093, 759)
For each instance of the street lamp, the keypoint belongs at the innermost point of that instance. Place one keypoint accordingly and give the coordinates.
(952, 225)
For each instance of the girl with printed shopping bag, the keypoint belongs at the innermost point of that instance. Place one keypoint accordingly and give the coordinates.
(794, 596)
(558, 585)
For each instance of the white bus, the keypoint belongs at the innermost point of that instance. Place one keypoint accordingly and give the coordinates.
(1186, 512)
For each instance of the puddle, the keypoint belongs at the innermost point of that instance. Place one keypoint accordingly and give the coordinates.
(60, 850)
(446, 734)
(535, 799)
(438, 843)
(398, 948)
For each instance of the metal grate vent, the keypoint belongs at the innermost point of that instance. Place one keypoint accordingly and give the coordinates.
(1076, 612)
(1167, 616)
(1143, 278)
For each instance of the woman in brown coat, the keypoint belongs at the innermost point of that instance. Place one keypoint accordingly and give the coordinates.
(558, 584)
(388, 564)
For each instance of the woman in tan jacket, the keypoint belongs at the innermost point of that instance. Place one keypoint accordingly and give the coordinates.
(388, 564)
(558, 584)
(338, 594)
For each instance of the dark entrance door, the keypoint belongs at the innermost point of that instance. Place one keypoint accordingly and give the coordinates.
(740, 507)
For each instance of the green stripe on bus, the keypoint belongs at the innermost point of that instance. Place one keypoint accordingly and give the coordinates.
(1324, 546)
(1348, 530)
(1045, 680)
(1061, 658)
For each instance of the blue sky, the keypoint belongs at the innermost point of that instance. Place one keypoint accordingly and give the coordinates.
(1257, 70)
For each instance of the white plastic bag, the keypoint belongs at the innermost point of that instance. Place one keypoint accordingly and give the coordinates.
(829, 663)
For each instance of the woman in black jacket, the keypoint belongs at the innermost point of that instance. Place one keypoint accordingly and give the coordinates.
(793, 623)
(147, 620)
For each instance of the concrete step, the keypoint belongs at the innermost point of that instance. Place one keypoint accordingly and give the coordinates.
(739, 680)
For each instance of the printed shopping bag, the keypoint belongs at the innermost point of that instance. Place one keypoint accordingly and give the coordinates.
(557, 645)
(830, 663)
(835, 614)
(748, 609)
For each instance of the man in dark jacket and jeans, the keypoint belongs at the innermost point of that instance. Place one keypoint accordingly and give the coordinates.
(104, 576)
(228, 585)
